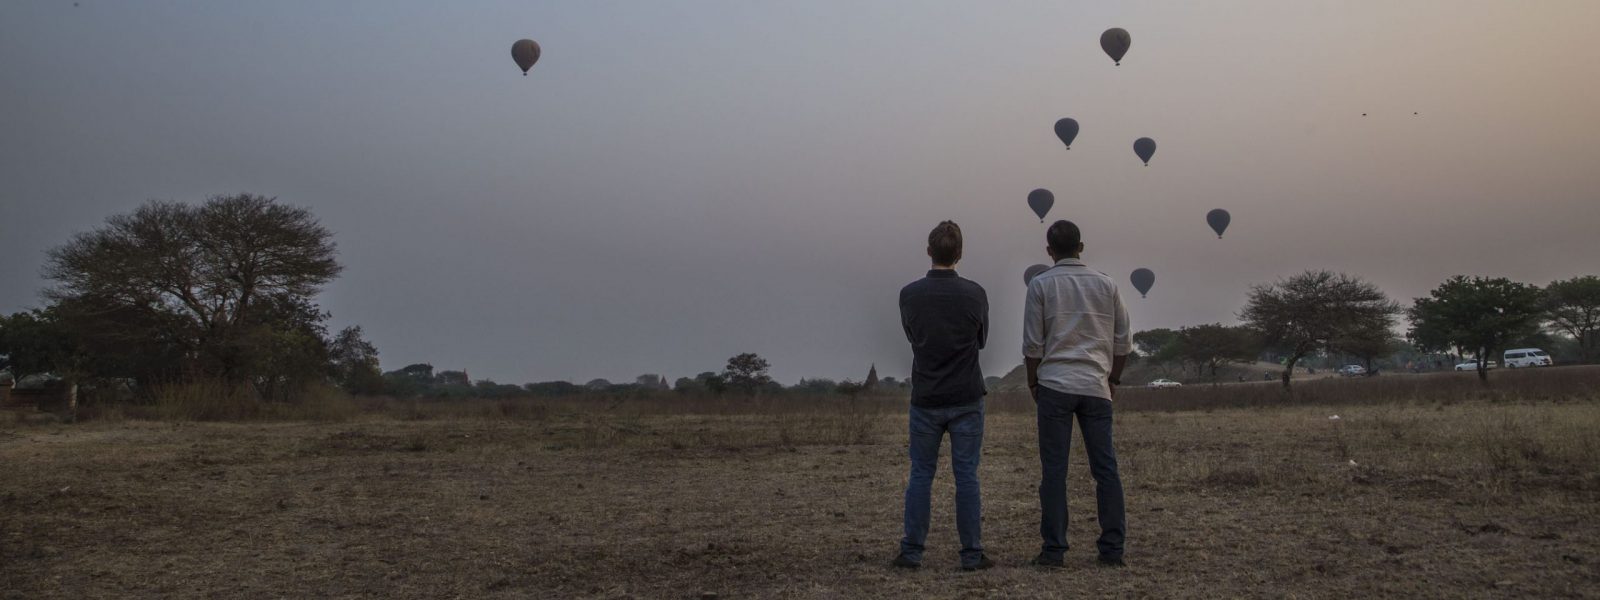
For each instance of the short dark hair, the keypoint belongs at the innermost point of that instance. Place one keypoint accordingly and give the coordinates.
(1063, 237)
(944, 243)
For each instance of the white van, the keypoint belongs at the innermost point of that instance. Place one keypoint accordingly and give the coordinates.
(1526, 357)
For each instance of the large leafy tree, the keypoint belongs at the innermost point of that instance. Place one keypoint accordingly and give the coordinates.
(1209, 347)
(213, 284)
(747, 373)
(355, 362)
(1480, 314)
(1311, 311)
(1574, 309)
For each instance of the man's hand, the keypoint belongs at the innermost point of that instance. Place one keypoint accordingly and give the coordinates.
(1032, 365)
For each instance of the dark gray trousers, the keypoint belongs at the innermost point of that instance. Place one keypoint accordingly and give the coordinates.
(1056, 411)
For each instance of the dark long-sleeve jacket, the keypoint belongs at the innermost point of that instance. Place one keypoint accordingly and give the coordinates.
(946, 318)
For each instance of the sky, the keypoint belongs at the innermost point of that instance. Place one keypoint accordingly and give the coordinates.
(678, 182)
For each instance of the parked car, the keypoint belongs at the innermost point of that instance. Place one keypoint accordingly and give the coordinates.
(1163, 383)
(1352, 370)
(1527, 357)
(1472, 365)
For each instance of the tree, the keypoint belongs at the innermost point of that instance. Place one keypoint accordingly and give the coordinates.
(711, 382)
(1574, 307)
(1480, 314)
(1153, 341)
(1209, 347)
(38, 342)
(688, 386)
(34, 342)
(355, 362)
(1308, 312)
(747, 373)
(208, 279)
(1369, 343)
(281, 348)
(1158, 348)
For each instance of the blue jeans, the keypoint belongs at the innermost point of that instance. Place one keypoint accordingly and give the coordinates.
(1056, 411)
(928, 426)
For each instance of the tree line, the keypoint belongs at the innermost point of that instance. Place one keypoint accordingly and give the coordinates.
(224, 291)
(1321, 313)
(744, 375)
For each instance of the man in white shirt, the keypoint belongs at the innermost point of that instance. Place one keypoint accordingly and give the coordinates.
(1075, 341)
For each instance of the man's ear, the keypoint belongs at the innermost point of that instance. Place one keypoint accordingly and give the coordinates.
(930, 252)
(1080, 247)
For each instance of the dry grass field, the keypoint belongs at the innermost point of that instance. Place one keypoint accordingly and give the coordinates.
(1426, 486)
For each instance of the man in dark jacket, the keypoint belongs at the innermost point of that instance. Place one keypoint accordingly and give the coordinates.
(946, 318)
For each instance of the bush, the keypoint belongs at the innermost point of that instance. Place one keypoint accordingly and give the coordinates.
(212, 400)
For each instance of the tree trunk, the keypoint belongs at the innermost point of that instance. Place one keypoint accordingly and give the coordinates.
(1288, 371)
(72, 402)
(1483, 365)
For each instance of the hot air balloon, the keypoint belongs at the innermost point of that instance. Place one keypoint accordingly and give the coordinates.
(1033, 271)
(1115, 42)
(525, 52)
(1145, 148)
(1067, 129)
(1218, 219)
(1142, 280)
(1040, 201)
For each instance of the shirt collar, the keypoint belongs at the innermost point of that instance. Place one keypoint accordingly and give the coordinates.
(1071, 262)
(942, 273)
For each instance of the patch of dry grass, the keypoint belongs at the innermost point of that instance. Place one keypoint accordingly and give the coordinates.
(1487, 496)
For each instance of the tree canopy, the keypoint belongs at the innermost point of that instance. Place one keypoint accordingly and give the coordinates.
(1312, 311)
(1208, 347)
(1480, 314)
(747, 373)
(223, 289)
(1574, 307)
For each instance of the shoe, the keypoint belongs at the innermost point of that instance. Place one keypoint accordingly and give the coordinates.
(1111, 561)
(982, 564)
(901, 562)
(1044, 561)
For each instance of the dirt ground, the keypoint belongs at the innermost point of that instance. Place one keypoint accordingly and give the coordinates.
(1448, 500)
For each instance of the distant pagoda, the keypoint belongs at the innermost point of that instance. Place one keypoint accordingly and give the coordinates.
(872, 378)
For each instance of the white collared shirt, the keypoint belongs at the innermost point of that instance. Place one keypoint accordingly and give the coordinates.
(1075, 323)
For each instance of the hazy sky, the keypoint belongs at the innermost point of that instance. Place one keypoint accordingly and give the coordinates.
(678, 182)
